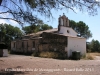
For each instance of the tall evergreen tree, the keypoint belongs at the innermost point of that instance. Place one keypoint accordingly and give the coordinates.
(81, 28)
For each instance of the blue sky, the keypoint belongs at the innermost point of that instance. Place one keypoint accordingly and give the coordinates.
(92, 21)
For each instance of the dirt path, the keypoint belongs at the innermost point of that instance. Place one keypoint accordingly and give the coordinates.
(97, 57)
(27, 65)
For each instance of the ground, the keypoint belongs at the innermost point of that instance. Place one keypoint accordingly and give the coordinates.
(28, 65)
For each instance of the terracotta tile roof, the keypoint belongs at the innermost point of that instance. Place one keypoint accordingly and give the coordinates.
(68, 35)
(40, 32)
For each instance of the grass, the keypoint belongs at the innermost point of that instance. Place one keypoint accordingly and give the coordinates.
(87, 57)
(90, 56)
(48, 55)
(55, 55)
(95, 54)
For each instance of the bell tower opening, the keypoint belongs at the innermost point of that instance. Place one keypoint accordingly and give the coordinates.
(63, 21)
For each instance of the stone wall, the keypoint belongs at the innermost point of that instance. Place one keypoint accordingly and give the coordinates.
(53, 42)
(19, 47)
(48, 42)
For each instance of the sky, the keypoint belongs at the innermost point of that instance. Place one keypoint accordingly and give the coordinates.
(92, 21)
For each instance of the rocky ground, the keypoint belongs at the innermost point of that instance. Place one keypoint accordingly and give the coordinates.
(28, 65)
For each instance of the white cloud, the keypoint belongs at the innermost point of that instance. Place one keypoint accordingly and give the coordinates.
(3, 21)
(14, 23)
(97, 0)
(4, 15)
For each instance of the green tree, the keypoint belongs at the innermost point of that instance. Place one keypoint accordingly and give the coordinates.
(73, 24)
(45, 27)
(2, 32)
(27, 29)
(22, 10)
(36, 28)
(95, 46)
(9, 33)
(81, 28)
(88, 46)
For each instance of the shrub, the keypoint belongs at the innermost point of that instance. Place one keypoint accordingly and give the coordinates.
(55, 55)
(35, 54)
(48, 54)
(88, 50)
(88, 56)
(83, 56)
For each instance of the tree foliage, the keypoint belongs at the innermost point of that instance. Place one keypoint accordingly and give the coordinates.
(81, 28)
(36, 28)
(94, 46)
(8, 33)
(22, 10)
(45, 27)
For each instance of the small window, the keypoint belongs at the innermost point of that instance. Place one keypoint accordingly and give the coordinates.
(67, 31)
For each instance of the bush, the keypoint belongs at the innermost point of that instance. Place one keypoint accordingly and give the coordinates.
(48, 54)
(88, 56)
(83, 56)
(35, 54)
(88, 50)
(55, 55)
